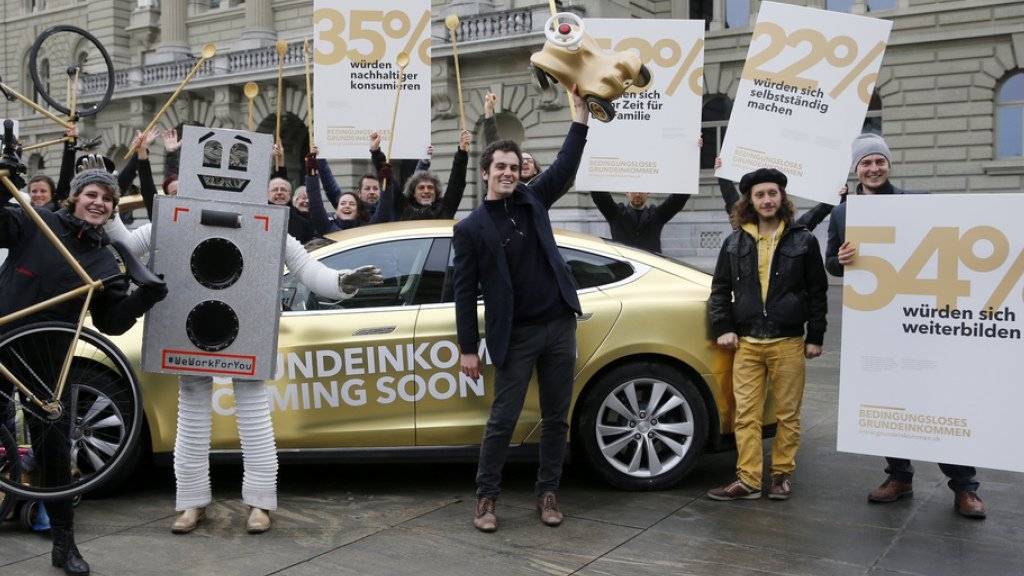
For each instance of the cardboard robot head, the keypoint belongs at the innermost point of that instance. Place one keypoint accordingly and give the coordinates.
(226, 165)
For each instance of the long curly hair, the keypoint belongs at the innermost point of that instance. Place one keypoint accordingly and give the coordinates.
(415, 179)
(743, 211)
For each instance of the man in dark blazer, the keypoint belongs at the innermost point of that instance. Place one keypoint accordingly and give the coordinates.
(506, 247)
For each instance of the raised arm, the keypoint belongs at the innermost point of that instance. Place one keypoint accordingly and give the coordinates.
(814, 216)
(385, 211)
(141, 160)
(670, 207)
(553, 183)
(605, 205)
(728, 190)
(137, 240)
(317, 213)
(423, 164)
(67, 168)
(328, 181)
(457, 179)
(490, 122)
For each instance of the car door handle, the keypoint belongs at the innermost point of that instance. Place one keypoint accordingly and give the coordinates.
(374, 331)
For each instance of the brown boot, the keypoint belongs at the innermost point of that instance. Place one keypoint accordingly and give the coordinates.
(967, 503)
(485, 519)
(188, 520)
(890, 491)
(258, 522)
(547, 505)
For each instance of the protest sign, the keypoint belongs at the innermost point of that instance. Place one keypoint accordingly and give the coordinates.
(803, 95)
(356, 65)
(651, 145)
(933, 315)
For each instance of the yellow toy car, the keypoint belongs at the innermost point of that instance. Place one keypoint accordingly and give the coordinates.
(571, 57)
(378, 374)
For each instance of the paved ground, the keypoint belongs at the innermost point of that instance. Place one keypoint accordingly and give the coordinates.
(416, 520)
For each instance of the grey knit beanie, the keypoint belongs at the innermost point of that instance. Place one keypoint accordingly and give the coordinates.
(101, 177)
(867, 144)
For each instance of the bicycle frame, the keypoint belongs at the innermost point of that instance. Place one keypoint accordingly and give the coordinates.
(51, 406)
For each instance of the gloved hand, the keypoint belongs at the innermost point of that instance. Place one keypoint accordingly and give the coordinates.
(311, 165)
(363, 276)
(153, 293)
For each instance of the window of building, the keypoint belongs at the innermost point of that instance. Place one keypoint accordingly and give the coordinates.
(839, 5)
(713, 122)
(1010, 117)
(873, 119)
(881, 5)
(702, 10)
(737, 13)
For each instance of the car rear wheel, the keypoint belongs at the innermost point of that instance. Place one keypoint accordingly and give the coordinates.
(642, 426)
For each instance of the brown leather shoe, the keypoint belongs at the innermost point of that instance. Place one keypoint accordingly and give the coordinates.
(485, 519)
(781, 488)
(258, 522)
(735, 490)
(188, 520)
(967, 503)
(890, 491)
(547, 505)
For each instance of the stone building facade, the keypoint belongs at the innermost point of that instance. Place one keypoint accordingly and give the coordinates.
(949, 99)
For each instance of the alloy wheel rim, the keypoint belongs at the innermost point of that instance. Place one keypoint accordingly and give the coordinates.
(644, 428)
(99, 431)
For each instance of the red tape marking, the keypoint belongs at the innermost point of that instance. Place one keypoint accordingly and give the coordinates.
(266, 222)
(178, 210)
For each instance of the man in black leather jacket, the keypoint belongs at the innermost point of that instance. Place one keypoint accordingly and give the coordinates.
(769, 283)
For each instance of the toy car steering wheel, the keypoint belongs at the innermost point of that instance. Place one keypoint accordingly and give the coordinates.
(564, 30)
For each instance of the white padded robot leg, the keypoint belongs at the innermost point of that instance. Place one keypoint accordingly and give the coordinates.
(259, 450)
(192, 444)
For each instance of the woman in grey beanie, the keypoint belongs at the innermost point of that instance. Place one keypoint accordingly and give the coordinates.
(34, 272)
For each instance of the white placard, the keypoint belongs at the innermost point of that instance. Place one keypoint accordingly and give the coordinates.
(933, 316)
(357, 43)
(802, 98)
(651, 145)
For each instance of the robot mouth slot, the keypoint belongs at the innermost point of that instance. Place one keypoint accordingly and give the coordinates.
(223, 183)
(217, 263)
(212, 326)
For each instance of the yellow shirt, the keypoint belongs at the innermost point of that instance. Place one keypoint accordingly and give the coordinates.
(766, 246)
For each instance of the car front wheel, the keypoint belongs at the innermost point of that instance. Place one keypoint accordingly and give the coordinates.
(642, 426)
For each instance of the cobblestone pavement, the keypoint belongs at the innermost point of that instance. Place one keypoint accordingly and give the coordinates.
(392, 520)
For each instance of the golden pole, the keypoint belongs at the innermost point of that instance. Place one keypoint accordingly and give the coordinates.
(251, 90)
(402, 60)
(208, 51)
(24, 389)
(67, 125)
(309, 93)
(452, 23)
(47, 143)
(59, 390)
(25, 312)
(282, 47)
(568, 89)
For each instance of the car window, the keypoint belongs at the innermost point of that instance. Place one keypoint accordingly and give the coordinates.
(400, 261)
(591, 270)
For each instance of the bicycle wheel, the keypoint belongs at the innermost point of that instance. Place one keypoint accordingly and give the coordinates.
(64, 49)
(101, 418)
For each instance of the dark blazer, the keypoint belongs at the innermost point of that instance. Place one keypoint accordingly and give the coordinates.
(480, 257)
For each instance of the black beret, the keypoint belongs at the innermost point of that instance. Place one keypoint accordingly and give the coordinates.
(760, 176)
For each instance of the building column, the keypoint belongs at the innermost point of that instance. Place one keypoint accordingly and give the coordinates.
(173, 31)
(718, 15)
(259, 25)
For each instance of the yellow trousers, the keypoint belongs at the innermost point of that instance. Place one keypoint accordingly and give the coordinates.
(756, 364)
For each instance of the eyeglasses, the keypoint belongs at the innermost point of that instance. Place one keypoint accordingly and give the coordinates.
(515, 226)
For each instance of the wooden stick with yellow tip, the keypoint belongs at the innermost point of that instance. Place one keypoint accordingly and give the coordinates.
(402, 60)
(452, 23)
(47, 143)
(309, 93)
(282, 48)
(251, 90)
(568, 90)
(28, 102)
(208, 51)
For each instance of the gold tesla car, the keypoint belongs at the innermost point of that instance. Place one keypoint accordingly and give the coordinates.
(378, 374)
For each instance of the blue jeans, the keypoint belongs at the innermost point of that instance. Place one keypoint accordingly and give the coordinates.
(961, 478)
(551, 347)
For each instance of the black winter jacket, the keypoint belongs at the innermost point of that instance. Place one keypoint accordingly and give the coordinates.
(638, 228)
(797, 292)
(34, 271)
